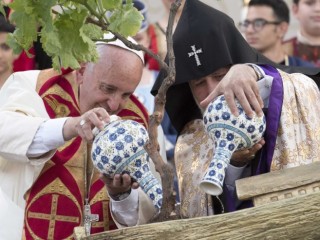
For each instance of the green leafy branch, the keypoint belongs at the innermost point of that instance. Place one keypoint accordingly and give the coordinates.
(68, 29)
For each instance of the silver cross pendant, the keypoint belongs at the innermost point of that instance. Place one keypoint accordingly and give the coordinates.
(89, 218)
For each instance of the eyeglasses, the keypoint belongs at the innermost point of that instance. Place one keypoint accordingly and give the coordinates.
(257, 24)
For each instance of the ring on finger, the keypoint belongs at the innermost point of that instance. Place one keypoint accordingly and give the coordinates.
(82, 122)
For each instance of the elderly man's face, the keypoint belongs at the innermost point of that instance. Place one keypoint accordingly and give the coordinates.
(202, 87)
(110, 82)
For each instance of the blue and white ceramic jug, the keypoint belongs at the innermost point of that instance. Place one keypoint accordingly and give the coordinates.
(229, 133)
(119, 149)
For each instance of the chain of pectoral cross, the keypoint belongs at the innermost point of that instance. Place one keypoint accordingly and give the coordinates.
(88, 217)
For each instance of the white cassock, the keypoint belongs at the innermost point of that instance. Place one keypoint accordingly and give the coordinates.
(21, 112)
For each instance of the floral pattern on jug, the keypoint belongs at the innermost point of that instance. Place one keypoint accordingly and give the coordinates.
(119, 149)
(229, 133)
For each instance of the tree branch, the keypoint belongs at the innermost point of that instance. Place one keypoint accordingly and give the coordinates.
(165, 169)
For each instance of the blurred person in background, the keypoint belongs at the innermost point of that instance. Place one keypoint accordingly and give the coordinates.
(143, 37)
(265, 26)
(306, 44)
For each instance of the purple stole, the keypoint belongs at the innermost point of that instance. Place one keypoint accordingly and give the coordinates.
(272, 120)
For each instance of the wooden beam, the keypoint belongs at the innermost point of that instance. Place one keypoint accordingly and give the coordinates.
(248, 188)
(296, 218)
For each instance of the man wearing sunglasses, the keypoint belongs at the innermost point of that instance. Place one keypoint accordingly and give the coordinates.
(265, 26)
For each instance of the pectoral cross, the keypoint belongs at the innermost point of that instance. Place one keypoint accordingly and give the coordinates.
(195, 54)
(89, 218)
